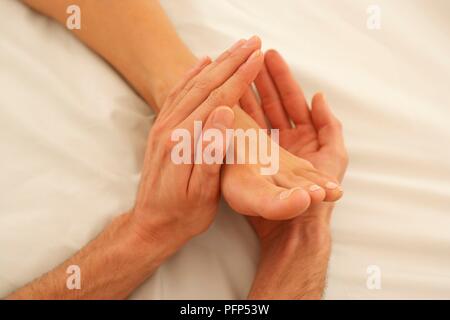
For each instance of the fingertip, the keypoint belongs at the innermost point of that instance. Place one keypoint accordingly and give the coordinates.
(223, 117)
(252, 67)
(206, 58)
(253, 41)
(320, 112)
(319, 97)
(202, 62)
(272, 52)
(237, 45)
(256, 55)
(275, 60)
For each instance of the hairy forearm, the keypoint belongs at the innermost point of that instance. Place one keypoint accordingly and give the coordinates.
(135, 37)
(111, 267)
(295, 265)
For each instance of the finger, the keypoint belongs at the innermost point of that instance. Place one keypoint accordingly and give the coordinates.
(191, 73)
(232, 90)
(211, 150)
(233, 48)
(210, 78)
(270, 101)
(292, 96)
(188, 86)
(327, 125)
(251, 106)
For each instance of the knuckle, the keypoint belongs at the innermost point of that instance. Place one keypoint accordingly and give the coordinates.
(201, 84)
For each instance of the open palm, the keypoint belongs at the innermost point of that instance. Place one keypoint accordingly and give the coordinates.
(312, 133)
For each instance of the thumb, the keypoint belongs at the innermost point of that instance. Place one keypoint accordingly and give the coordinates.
(328, 127)
(212, 147)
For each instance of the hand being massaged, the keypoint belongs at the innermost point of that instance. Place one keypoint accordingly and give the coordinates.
(289, 209)
(205, 94)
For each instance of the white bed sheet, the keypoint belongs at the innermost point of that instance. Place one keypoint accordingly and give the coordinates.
(73, 136)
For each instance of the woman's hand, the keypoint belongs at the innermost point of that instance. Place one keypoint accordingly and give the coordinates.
(178, 201)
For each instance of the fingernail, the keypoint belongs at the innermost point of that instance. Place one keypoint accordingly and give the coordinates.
(253, 41)
(254, 55)
(314, 187)
(223, 117)
(200, 62)
(331, 185)
(237, 45)
(286, 194)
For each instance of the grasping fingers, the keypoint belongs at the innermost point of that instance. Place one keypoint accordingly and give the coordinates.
(330, 135)
(283, 102)
(231, 90)
(203, 85)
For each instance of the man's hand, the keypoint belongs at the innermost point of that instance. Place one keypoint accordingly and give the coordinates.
(175, 202)
(179, 201)
(295, 253)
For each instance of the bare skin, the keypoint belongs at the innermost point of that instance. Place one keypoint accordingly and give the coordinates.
(139, 41)
(295, 253)
(125, 35)
(136, 243)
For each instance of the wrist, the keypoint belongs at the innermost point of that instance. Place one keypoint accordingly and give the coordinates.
(152, 245)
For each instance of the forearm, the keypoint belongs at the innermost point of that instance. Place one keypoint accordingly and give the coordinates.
(111, 267)
(138, 40)
(295, 267)
(135, 37)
